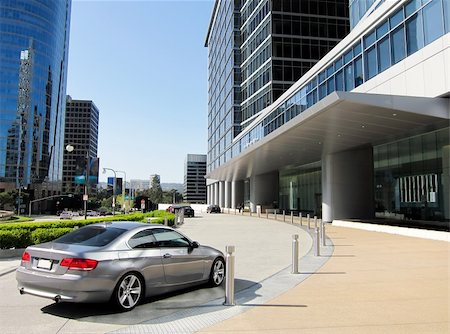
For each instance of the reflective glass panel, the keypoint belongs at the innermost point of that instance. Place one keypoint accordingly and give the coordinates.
(384, 54)
(414, 36)
(358, 72)
(396, 18)
(370, 60)
(398, 45)
(433, 28)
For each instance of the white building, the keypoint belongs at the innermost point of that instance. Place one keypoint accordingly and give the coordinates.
(365, 131)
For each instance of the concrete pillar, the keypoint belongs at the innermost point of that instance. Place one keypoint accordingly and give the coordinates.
(446, 180)
(347, 185)
(264, 190)
(237, 193)
(221, 194)
(227, 194)
(208, 195)
(216, 193)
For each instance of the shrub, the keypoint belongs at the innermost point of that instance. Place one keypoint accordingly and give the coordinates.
(17, 238)
(14, 235)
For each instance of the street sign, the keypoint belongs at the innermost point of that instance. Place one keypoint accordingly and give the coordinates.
(85, 197)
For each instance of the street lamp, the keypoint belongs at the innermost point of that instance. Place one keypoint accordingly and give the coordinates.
(124, 185)
(71, 148)
(114, 188)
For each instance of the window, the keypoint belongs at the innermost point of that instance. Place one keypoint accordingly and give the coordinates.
(358, 72)
(96, 236)
(398, 44)
(414, 36)
(371, 63)
(143, 239)
(348, 74)
(447, 15)
(169, 238)
(433, 28)
(384, 55)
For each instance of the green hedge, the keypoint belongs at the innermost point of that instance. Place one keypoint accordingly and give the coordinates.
(14, 235)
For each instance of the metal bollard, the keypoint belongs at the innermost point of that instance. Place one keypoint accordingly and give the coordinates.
(309, 220)
(301, 218)
(242, 211)
(229, 276)
(267, 214)
(322, 236)
(315, 221)
(250, 212)
(275, 212)
(235, 211)
(317, 242)
(284, 215)
(165, 221)
(292, 217)
(295, 254)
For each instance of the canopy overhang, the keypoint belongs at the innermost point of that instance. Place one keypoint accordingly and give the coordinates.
(339, 122)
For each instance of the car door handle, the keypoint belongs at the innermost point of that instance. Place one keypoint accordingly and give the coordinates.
(167, 256)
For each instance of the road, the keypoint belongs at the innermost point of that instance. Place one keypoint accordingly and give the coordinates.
(263, 248)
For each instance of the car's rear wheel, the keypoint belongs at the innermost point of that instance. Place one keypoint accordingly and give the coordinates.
(129, 291)
(217, 274)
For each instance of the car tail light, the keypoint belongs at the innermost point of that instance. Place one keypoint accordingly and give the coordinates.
(26, 257)
(79, 264)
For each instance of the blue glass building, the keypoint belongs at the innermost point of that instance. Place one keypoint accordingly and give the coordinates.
(34, 38)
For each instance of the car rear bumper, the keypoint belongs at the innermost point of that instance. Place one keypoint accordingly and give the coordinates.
(67, 287)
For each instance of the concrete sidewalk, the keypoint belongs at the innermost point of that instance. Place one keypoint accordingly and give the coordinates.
(373, 283)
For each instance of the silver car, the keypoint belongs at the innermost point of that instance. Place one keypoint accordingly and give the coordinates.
(122, 262)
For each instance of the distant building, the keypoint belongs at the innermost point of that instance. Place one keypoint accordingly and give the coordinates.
(155, 178)
(194, 178)
(81, 132)
(140, 184)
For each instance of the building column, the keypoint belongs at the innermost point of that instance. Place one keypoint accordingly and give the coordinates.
(216, 193)
(221, 193)
(446, 180)
(208, 194)
(227, 194)
(237, 193)
(264, 190)
(347, 185)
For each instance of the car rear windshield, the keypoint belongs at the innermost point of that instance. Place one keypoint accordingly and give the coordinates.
(96, 236)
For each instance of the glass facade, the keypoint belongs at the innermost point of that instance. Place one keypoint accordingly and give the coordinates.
(411, 176)
(34, 37)
(224, 79)
(359, 8)
(411, 180)
(398, 36)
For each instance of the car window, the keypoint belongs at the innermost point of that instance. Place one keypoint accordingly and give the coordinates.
(169, 238)
(143, 239)
(96, 236)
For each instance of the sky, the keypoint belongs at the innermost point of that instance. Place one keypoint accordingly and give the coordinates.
(144, 65)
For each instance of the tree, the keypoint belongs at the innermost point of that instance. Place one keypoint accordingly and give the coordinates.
(155, 193)
(7, 200)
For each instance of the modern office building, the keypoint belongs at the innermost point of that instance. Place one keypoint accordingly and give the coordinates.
(257, 50)
(34, 38)
(81, 133)
(194, 178)
(370, 131)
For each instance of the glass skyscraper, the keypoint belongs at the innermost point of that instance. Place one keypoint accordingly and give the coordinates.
(34, 38)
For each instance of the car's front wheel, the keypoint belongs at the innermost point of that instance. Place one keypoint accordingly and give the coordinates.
(128, 292)
(217, 274)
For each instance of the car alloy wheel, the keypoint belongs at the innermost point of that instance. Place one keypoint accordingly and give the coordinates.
(129, 292)
(217, 272)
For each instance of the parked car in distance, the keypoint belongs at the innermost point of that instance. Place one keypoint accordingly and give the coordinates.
(122, 262)
(92, 213)
(213, 209)
(188, 211)
(65, 215)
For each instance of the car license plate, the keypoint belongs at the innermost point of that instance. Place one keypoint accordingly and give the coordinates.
(44, 264)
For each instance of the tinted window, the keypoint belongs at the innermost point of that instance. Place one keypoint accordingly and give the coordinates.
(398, 45)
(169, 238)
(432, 22)
(96, 236)
(143, 239)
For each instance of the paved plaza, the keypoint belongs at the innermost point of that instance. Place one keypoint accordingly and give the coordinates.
(363, 282)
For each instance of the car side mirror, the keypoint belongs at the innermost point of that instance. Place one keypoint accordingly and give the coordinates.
(195, 244)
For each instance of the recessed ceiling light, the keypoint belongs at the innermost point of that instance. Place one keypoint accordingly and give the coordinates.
(363, 126)
(394, 114)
